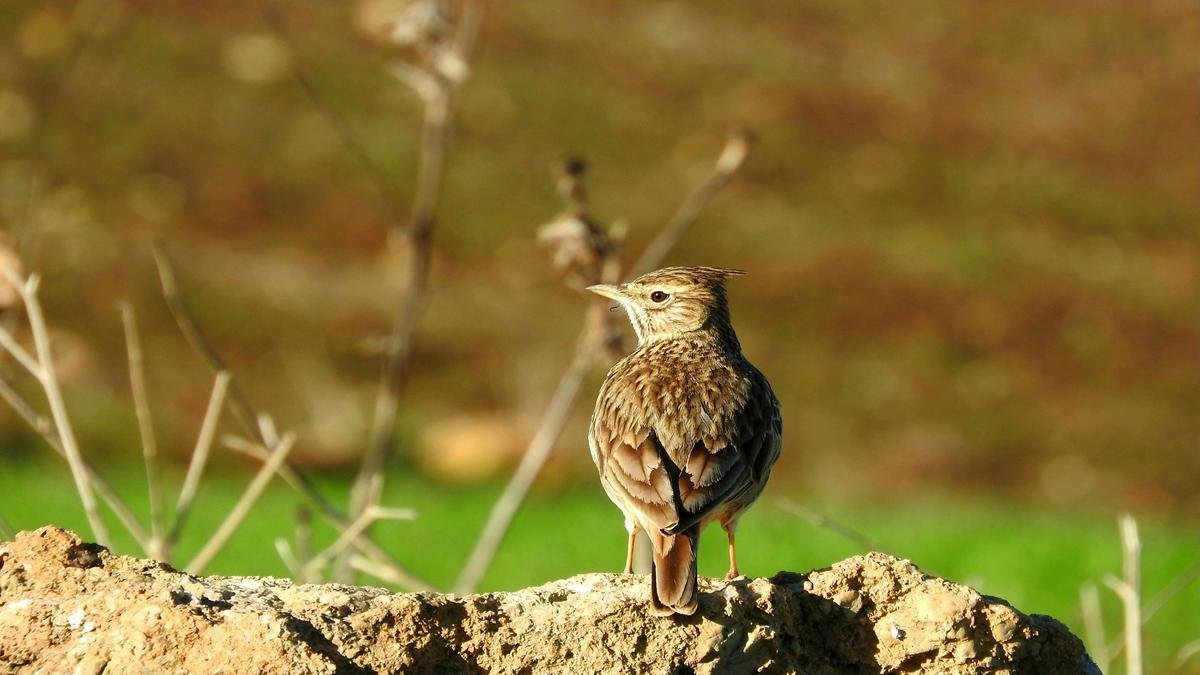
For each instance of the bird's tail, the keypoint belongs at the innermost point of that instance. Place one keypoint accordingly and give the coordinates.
(673, 577)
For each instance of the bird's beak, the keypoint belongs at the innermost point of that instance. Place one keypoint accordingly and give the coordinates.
(608, 291)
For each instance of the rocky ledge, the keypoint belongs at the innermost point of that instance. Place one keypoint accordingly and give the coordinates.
(69, 606)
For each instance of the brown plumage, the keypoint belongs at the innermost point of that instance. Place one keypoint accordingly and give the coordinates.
(685, 429)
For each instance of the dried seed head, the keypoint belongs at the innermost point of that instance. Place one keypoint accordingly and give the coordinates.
(578, 247)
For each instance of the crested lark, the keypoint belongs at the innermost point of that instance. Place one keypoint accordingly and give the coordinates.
(685, 429)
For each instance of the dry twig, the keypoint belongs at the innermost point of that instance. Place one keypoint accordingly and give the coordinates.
(204, 439)
(284, 548)
(107, 494)
(42, 369)
(378, 558)
(145, 421)
(732, 156)
(1128, 589)
(436, 81)
(505, 509)
(354, 531)
(388, 573)
(240, 510)
(1151, 607)
(243, 411)
(238, 403)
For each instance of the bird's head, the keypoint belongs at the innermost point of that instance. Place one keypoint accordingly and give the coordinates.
(675, 302)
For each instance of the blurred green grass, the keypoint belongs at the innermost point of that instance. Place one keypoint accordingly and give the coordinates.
(1035, 558)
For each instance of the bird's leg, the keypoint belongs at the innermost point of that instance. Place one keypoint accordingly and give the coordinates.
(633, 533)
(733, 568)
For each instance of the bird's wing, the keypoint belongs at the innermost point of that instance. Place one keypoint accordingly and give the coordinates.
(630, 467)
(725, 465)
(673, 495)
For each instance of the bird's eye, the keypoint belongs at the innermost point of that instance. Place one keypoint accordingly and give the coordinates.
(659, 296)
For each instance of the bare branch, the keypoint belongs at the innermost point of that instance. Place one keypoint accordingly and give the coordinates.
(350, 534)
(33, 418)
(145, 421)
(435, 136)
(45, 429)
(240, 510)
(821, 521)
(390, 573)
(191, 332)
(377, 555)
(469, 21)
(10, 345)
(416, 271)
(1128, 589)
(737, 146)
(242, 410)
(1151, 607)
(204, 439)
(43, 370)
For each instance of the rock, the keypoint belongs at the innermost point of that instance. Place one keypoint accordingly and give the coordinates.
(69, 606)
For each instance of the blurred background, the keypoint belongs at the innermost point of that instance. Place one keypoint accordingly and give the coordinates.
(970, 230)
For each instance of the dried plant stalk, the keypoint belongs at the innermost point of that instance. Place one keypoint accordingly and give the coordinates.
(43, 370)
(240, 510)
(238, 403)
(350, 534)
(435, 135)
(1128, 589)
(45, 429)
(284, 548)
(145, 422)
(732, 156)
(200, 453)
(379, 559)
(391, 574)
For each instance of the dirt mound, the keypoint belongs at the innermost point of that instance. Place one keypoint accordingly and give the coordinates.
(70, 606)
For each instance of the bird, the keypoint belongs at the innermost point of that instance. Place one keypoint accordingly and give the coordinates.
(685, 430)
